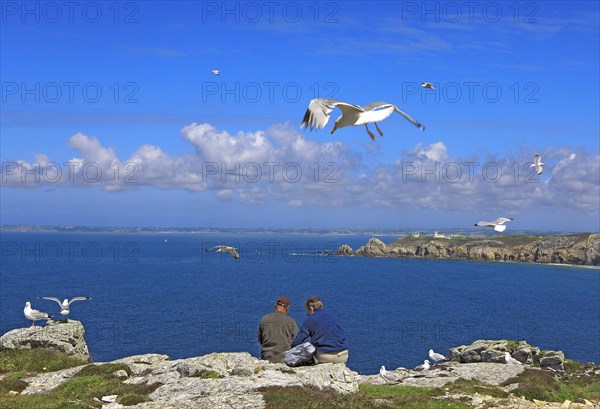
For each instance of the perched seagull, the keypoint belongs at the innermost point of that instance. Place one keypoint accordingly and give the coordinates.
(428, 85)
(319, 110)
(216, 72)
(423, 367)
(537, 164)
(65, 304)
(497, 224)
(434, 356)
(387, 376)
(225, 249)
(34, 315)
(510, 360)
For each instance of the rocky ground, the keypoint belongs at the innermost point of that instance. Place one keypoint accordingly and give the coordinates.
(478, 375)
(579, 249)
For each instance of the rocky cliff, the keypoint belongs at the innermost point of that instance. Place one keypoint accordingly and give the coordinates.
(581, 249)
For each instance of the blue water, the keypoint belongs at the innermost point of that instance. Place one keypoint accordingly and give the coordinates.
(169, 297)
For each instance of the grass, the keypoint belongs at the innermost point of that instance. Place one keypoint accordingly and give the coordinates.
(472, 387)
(543, 385)
(369, 397)
(89, 384)
(36, 360)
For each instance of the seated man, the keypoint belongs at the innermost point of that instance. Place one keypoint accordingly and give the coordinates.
(276, 331)
(325, 333)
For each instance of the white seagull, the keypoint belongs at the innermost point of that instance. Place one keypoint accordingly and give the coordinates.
(423, 367)
(537, 164)
(427, 85)
(34, 315)
(65, 304)
(497, 224)
(225, 249)
(387, 376)
(510, 360)
(434, 356)
(216, 72)
(319, 110)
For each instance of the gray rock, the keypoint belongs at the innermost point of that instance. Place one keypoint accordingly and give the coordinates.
(344, 250)
(66, 337)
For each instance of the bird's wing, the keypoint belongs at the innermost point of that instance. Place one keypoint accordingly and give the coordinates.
(502, 220)
(319, 110)
(410, 119)
(215, 247)
(78, 299)
(484, 224)
(52, 299)
(234, 253)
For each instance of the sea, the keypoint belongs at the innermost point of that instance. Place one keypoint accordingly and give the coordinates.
(163, 293)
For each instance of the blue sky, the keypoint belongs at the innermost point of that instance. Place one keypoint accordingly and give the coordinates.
(120, 98)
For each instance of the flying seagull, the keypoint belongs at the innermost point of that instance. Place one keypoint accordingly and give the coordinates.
(510, 360)
(216, 72)
(225, 249)
(387, 376)
(434, 356)
(427, 85)
(537, 164)
(65, 304)
(319, 110)
(34, 315)
(497, 224)
(423, 367)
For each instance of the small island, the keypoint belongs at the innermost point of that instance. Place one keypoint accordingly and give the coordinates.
(576, 249)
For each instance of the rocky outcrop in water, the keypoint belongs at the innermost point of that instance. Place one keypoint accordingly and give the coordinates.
(66, 337)
(582, 249)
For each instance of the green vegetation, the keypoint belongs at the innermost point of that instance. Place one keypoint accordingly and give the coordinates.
(543, 385)
(36, 361)
(83, 391)
(472, 387)
(369, 397)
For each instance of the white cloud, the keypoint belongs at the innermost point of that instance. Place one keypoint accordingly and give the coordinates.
(280, 165)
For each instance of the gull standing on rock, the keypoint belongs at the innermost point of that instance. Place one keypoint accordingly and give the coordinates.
(510, 360)
(319, 110)
(423, 367)
(387, 376)
(34, 315)
(497, 224)
(434, 356)
(65, 304)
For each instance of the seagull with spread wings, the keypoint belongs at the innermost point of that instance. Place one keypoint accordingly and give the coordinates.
(497, 224)
(225, 249)
(319, 110)
(65, 304)
(537, 164)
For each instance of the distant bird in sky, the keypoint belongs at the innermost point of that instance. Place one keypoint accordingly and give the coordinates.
(497, 224)
(389, 377)
(216, 72)
(225, 249)
(423, 367)
(537, 164)
(434, 356)
(34, 315)
(510, 360)
(427, 85)
(319, 110)
(65, 304)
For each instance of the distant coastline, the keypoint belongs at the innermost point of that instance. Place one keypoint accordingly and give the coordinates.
(341, 231)
(579, 249)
